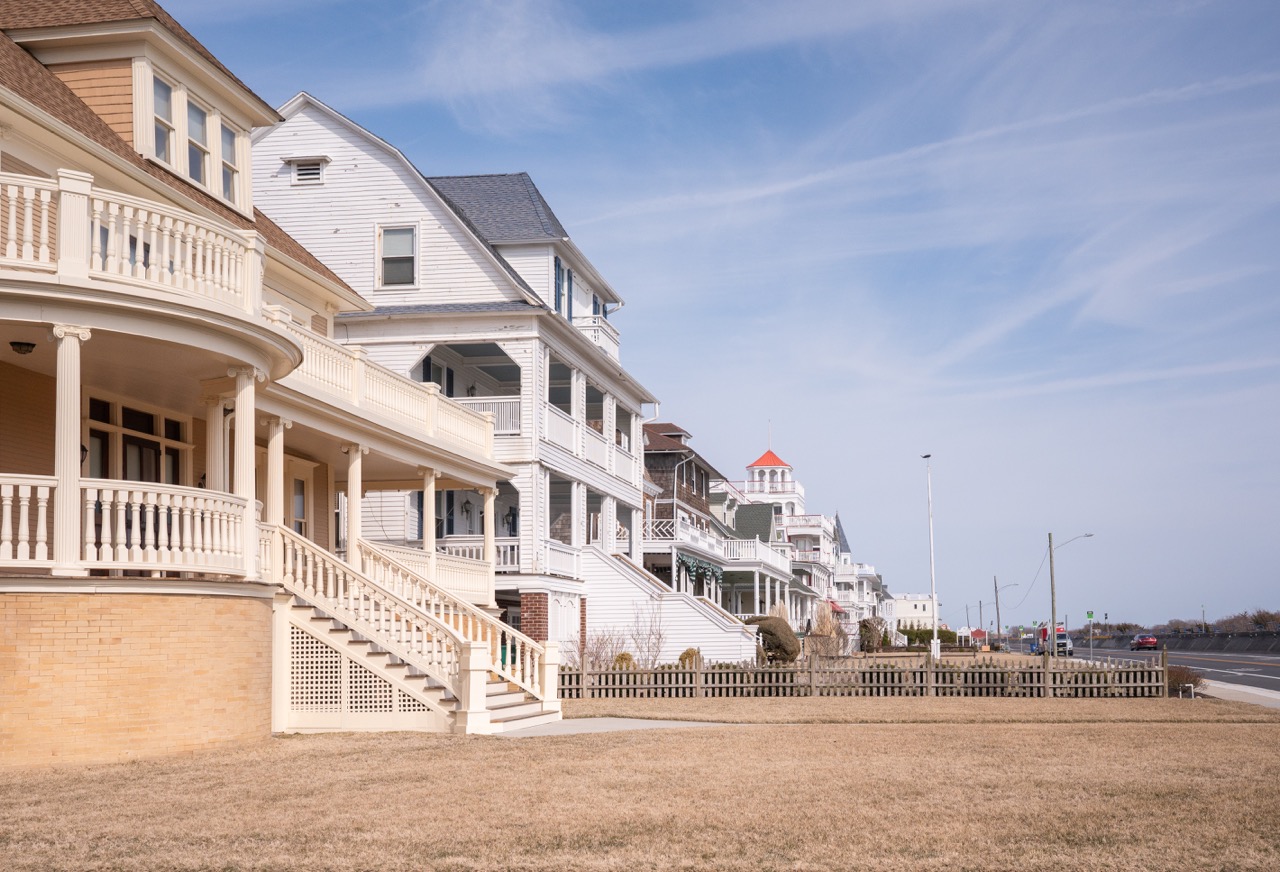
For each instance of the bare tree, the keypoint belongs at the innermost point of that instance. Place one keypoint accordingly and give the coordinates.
(597, 651)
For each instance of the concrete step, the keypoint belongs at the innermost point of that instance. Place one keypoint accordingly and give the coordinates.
(514, 711)
(534, 720)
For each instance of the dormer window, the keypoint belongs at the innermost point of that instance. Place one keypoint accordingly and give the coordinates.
(230, 166)
(192, 137)
(164, 120)
(197, 144)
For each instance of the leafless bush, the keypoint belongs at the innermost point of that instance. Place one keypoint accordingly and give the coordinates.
(648, 635)
(828, 638)
(1178, 677)
(598, 651)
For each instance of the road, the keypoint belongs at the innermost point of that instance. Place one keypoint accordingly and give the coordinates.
(1253, 670)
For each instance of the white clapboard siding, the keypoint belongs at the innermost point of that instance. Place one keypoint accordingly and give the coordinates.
(364, 187)
(536, 265)
(389, 516)
(619, 594)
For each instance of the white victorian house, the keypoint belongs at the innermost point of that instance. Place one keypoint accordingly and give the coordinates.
(477, 288)
(180, 429)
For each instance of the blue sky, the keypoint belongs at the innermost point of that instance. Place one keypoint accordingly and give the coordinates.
(1039, 240)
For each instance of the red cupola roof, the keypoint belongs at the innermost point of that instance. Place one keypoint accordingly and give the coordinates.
(769, 459)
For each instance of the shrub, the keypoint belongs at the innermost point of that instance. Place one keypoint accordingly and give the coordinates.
(1178, 677)
(624, 661)
(689, 658)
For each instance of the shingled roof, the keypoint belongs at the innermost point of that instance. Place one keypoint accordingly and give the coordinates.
(28, 79)
(504, 208)
(23, 14)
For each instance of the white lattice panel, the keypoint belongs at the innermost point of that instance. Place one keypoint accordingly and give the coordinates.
(367, 692)
(315, 674)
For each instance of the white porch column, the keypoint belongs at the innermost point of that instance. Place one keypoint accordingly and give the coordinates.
(246, 377)
(609, 524)
(637, 534)
(215, 472)
(273, 511)
(67, 532)
(577, 513)
(355, 497)
(490, 547)
(755, 590)
(429, 520)
(786, 595)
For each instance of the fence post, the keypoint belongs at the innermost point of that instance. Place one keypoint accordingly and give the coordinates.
(699, 685)
(813, 674)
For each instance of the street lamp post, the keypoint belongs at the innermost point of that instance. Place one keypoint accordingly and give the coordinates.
(1051, 637)
(935, 648)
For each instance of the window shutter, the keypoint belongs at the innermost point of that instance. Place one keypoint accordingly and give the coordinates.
(559, 285)
(569, 315)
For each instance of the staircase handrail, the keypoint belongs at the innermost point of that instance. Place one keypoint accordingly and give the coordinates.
(513, 656)
(392, 622)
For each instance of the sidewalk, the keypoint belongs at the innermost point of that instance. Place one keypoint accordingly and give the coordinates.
(1243, 693)
(573, 726)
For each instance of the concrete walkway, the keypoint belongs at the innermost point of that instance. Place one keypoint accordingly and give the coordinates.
(574, 726)
(1243, 693)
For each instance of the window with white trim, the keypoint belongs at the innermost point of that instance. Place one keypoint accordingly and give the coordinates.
(163, 103)
(190, 136)
(130, 442)
(197, 144)
(230, 166)
(398, 256)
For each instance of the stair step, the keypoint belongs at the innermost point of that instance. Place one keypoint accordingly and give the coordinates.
(504, 713)
(506, 697)
(507, 725)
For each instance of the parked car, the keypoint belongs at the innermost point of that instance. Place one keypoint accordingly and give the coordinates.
(1143, 641)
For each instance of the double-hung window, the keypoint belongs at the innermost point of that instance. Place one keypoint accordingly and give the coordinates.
(230, 169)
(197, 144)
(398, 256)
(163, 120)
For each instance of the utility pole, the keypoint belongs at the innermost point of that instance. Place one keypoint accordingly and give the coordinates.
(935, 648)
(981, 625)
(1051, 637)
(996, 585)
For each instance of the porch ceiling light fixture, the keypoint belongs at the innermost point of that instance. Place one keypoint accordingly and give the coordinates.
(22, 347)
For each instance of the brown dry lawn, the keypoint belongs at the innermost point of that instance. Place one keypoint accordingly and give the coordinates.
(919, 784)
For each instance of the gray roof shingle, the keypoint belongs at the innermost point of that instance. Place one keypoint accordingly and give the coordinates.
(504, 208)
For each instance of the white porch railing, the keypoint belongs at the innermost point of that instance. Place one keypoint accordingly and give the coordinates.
(561, 559)
(369, 606)
(348, 374)
(667, 530)
(26, 520)
(66, 225)
(506, 412)
(27, 230)
(145, 242)
(624, 465)
(130, 525)
(506, 550)
(466, 576)
(598, 329)
(755, 550)
(595, 448)
(560, 428)
(514, 656)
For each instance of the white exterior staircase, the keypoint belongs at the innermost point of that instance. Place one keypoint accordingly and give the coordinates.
(385, 649)
(619, 592)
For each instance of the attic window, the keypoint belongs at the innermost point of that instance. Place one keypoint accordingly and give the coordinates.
(307, 170)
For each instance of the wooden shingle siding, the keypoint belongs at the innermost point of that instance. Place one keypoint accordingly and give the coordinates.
(361, 192)
(106, 87)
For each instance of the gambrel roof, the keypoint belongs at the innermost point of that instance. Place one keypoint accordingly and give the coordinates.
(504, 207)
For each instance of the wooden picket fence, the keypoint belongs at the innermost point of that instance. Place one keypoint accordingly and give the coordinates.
(857, 676)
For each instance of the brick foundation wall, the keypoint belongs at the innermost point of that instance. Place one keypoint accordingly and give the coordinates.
(533, 616)
(105, 677)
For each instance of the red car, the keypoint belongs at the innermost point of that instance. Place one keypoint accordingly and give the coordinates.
(1139, 642)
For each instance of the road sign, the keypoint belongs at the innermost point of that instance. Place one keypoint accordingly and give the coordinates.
(1090, 614)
